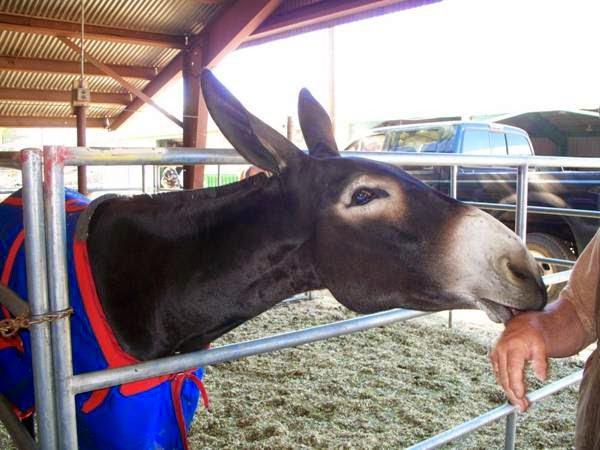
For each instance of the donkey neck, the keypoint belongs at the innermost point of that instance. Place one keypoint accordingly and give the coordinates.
(178, 270)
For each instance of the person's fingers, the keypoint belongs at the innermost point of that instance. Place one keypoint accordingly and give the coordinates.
(493, 357)
(516, 373)
(539, 362)
(504, 379)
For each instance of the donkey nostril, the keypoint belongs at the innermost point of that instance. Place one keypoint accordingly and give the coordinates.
(518, 273)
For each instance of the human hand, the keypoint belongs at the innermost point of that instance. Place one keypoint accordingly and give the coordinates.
(522, 341)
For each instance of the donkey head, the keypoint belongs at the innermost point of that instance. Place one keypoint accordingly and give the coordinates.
(379, 238)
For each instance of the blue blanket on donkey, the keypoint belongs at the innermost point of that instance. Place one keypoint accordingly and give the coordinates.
(150, 414)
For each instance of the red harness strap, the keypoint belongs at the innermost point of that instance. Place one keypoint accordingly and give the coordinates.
(14, 341)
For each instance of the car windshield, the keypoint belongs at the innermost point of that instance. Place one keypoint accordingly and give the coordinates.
(437, 139)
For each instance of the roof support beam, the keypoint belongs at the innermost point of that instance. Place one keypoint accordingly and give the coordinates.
(234, 26)
(127, 85)
(320, 12)
(72, 67)
(223, 35)
(47, 122)
(195, 115)
(25, 24)
(39, 95)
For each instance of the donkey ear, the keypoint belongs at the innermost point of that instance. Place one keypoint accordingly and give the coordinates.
(260, 144)
(316, 127)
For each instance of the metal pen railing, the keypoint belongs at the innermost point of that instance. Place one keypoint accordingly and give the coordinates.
(496, 414)
(60, 430)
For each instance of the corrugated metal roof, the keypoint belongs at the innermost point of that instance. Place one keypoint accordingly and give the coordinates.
(159, 16)
(25, 45)
(172, 18)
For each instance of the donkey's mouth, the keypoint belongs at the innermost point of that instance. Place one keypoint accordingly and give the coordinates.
(496, 312)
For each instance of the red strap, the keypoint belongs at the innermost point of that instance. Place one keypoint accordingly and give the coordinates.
(95, 400)
(14, 341)
(22, 415)
(176, 387)
(71, 205)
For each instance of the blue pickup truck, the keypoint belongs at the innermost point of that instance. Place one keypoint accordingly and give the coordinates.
(547, 235)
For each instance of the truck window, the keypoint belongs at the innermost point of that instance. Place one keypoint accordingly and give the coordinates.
(498, 143)
(476, 142)
(438, 139)
(373, 143)
(518, 145)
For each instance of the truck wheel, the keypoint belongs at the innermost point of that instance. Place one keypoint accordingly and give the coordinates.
(549, 246)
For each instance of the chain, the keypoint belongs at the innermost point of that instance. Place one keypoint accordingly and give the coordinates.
(10, 327)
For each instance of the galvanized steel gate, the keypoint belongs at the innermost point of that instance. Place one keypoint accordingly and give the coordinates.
(44, 218)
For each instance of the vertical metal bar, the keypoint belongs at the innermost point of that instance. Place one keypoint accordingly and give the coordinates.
(522, 193)
(144, 190)
(81, 120)
(37, 291)
(453, 191)
(521, 230)
(54, 203)
(510, 431)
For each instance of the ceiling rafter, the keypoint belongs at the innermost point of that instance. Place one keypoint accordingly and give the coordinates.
(222, 35)
(50, 122)
(72, 67)
(127, 85)
(26, 24)
(318, 12)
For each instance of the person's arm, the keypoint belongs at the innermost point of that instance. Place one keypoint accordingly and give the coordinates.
(554, 332)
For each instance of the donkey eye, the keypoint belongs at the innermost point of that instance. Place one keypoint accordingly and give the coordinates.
(362, 197)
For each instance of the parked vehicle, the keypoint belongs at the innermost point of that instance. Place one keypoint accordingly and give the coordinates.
(547, 235)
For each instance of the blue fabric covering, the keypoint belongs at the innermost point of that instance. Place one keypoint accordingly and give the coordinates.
(143, 421)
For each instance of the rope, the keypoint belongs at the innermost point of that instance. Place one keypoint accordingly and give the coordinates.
(10, 327)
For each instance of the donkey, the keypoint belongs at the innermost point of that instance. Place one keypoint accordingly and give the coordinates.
(173, 272)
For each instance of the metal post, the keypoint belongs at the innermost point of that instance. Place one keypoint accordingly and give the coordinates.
(454, 194)
(510, 431)
(37, 289)
(54, 203)
(144, 190)
(521, 230)
(81, 118)
(522, 191)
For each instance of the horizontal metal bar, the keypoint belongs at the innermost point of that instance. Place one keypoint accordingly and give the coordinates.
(590, 214)
(10, 160)
(558, 277)
(172, 364)
(555, 261)
(96, 156)
(495, 414)
(161, 155)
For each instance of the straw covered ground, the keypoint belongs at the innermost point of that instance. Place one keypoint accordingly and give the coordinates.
(383, 388)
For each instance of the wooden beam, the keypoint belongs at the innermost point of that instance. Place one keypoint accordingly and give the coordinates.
(195, 115)
(236, 23)
(47, 122)
(233, 27)
(26, 24)
(72, 67)
(320, 12)
(165, 75)
(127, 85)
(39, 95)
